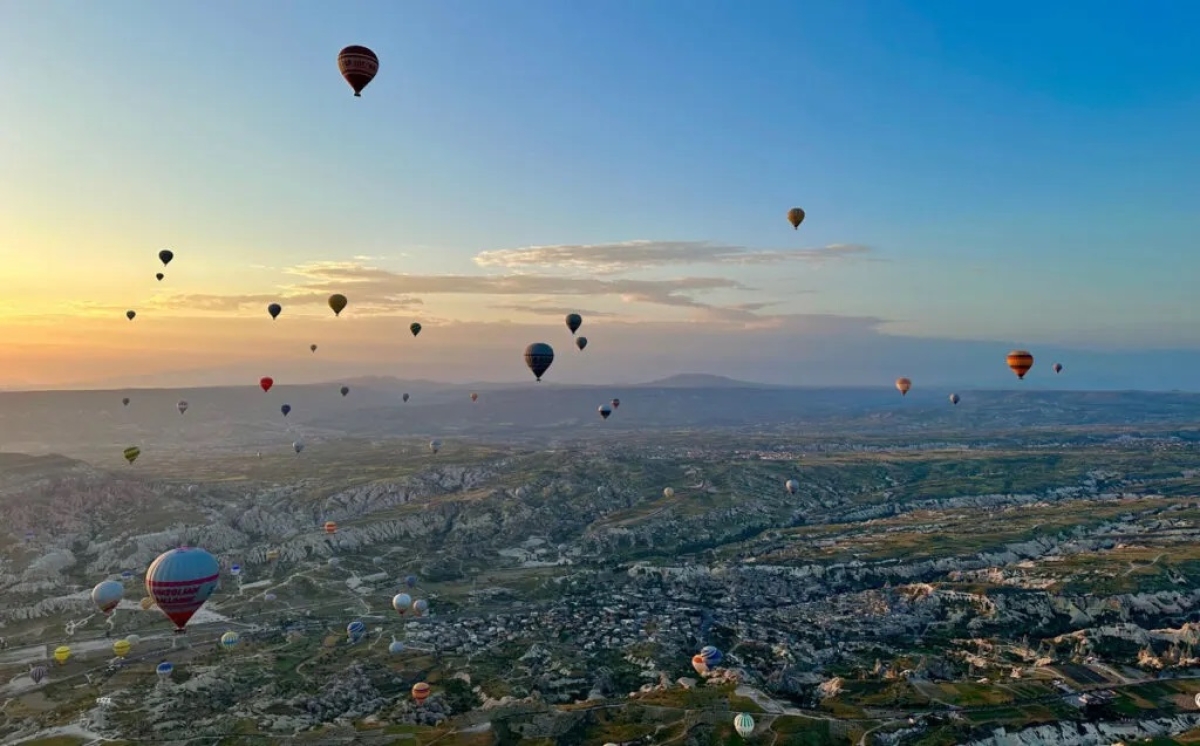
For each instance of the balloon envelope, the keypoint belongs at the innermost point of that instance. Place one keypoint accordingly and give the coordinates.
(358, 66)
(539, 356)
(1020, 362)
(107, 594)
(181, 580)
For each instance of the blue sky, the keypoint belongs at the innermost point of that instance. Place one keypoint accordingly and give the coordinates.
(1019, 173)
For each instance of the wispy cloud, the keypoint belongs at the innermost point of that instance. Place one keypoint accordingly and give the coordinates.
(546, 309)
(380, 291)
(627, 256)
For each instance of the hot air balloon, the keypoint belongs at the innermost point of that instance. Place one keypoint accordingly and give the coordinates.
(616, 403)
(159, 276)
(182, 406)
(235, 569)
(181, 580)
(131, 453)
(125, 401)
(345, 390)
(699, 664)
(164, 669)
(61, 654)
(581, 342)
(605, 410)
(285, 409)
(272, 555)
(795, 216)
(410, 581)
(574, 321)
(330, 527)
(539, 356)
(903, 385)
(401, 602)
(1020, 361)
(165, 256)
(297, 446)
(743, 724)
(313, 348)
(121, 648)
(420, 606)
(355, 630)
(337, 302)
(396, 648)
(415, 328)
(358, 65)
(1058, 367)
(405, 397)
(274, 309)
(146, 603)
(130, 314)
(229, 640)
(668, 492)
(792, 486)
(266, 382)
(420, 692)
(712, 655)
(107, 594)
(435, 445)
(954, 399)
(37, 673)
(474, 396)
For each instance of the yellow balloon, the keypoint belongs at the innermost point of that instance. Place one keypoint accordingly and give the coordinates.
(62, 653)
(121, 648)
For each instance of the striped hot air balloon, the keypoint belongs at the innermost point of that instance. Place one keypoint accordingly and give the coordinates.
(743, 724)
(181, 580)
(330, 527)
(420, 691)
(1020, 361)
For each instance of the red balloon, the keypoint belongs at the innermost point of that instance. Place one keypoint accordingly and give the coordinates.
(358, 66)
(266, 382)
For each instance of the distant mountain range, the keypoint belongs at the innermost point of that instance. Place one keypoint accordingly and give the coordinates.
(91, 423)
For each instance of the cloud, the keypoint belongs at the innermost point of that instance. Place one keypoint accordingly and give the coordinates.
(552, 310)
(626, 256)
(376, 291)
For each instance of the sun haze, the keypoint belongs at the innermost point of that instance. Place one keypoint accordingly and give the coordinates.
(975, 177)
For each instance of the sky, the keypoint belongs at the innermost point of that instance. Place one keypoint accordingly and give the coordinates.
(976, 177)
